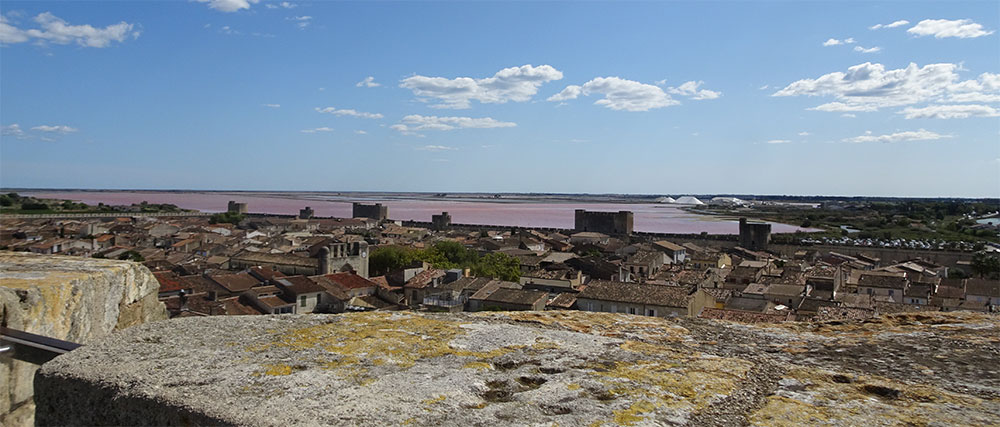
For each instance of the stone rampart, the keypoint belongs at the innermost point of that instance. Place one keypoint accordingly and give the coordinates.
(529, 368)
(69, 298)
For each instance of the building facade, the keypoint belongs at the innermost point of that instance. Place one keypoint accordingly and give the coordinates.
(614, 223)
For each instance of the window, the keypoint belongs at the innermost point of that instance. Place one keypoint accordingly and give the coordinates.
(651, 312)
(302, 301)
(631, 310)
(891, 292)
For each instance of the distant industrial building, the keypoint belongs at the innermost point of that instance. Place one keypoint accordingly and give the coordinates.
(754, 235)
(613, 223)
(377, 211)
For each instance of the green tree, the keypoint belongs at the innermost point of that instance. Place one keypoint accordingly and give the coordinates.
(986, 265)
(386, 259)
(226, 217)
(131, 256)
(455, 253)
(499, 266)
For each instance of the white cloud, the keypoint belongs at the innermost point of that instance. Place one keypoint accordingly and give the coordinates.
(868, 50)
(764, 87)
(804, 133)
(349, 112)
(315, 130)
(361, 132)
(869, 87)
(848, 115)
(319, 129)
(415, 123)
(272, 105)
(13, 130)
(690, 89)
(894, 24)
(229, 5)
(835, 42)
(436, 148)
(55, 129)
(619, 94)
(840, 107)
(570, 92)
(516, 84)
(779, 141)
(918, 135)
(368, 82)
(55, 30)
(942, 28)
(283, 4)
(300, 21)
(950, 112)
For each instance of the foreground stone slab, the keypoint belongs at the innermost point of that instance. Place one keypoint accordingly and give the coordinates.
(528, 368)
(69, 298)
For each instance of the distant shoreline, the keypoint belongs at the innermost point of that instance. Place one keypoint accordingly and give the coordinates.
(508, 196)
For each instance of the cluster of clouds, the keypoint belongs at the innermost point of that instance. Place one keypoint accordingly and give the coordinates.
(52, 29)
(520, 84)
(517, 84)
(870, 87)
(42, 132)
(238, 5)
(939, 28)
(850, 40)
(349, 113)
(629, 95)
(300, 21)
(911, 135)
(414, 123)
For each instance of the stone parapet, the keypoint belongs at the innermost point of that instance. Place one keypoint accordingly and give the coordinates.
(529, 368)
(68, 298)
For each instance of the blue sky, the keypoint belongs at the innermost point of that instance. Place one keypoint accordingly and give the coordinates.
(653, 97)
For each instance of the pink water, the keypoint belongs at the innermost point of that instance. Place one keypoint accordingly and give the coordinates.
(649, 217)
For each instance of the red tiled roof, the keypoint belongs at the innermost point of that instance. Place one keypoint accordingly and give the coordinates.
(350, 280)
(169, 281)
(265, 273)
(238, 282)
(298, 285)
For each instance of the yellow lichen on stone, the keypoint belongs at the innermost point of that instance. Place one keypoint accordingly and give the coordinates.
(693, 382)
(842, 399)
(632, 415)
(278, 370)
(573, 386)
(478, 365)
(439, 399)
(380, 338)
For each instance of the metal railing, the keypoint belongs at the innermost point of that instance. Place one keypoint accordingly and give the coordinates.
(32, 348)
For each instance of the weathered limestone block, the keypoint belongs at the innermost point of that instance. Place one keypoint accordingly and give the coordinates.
(69, 298)
(528, 368)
